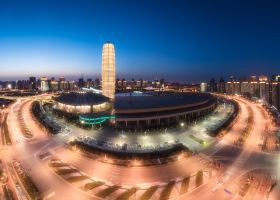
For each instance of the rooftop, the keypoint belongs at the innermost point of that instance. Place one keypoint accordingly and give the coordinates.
(81, 98)
(159, 100)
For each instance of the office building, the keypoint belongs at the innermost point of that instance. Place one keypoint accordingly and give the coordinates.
(108, 70)
(203, 87)
(44, 84)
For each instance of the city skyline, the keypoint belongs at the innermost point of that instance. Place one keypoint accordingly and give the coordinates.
(150, 38)
(139, 99)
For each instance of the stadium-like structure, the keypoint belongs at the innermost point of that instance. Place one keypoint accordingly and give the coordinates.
(141, 111)
(161, 109)
(82, 103)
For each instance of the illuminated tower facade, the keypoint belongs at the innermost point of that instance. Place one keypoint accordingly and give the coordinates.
(108, 70)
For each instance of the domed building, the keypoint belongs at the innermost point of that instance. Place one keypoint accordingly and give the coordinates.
(82, 103)
(141, 111)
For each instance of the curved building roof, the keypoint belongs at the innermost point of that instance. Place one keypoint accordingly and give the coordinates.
(160, 102)
(81, 98)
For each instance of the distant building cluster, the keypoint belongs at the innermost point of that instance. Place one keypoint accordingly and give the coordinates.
(264, 88)
(123, 85)
(108, 85)
(45, 84)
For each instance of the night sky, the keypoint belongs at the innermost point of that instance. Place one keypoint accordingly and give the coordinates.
(179, 40)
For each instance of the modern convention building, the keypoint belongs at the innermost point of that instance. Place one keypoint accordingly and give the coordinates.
(77, 103)
(136, 111)
(132, 111)
(108, 70)
(156, 110)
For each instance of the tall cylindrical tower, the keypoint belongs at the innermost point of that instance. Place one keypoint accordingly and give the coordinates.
(108, 70)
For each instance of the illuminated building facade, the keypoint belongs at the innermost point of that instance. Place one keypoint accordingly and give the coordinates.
(108, 70)
(263, 78)
(203, 87)
(145, 111)
(275, 94)
(233, 87)
(82, 103)
(44, 84)
(54, 85)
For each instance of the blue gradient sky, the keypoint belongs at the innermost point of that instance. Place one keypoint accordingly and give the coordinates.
(177, 40)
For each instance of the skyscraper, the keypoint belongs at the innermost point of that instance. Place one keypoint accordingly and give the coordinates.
(212, 85)
(221, 86)
(203, 87)
(32, 82)
(44, 84)
(108, 70)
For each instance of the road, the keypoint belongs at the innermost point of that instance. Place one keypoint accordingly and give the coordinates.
(237, 160)
(26, 150)
(248, 158)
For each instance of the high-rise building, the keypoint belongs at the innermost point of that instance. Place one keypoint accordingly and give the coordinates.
(54, 85)
(275, 92)
(121, 84)
(263, 78)
(89, 83)
(212, 85)
(268, 95)
(263, 91)
(233, 87)
(254, 89)
(245, 88)
(96, 83)
(253, 78)
(32, 82)
(108, 70)
(63, 85)
(203, 87)
(44, 84)
(133, 83)
(71, 85)
(61, 79)
(236, 87)
(221, 86)
(275, 77)
(22, 84)
(139, 84)
(81, 82)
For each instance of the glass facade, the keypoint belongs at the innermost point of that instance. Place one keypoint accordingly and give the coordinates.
(108, 70)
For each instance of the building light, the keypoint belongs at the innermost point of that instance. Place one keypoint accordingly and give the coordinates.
(108, 70)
